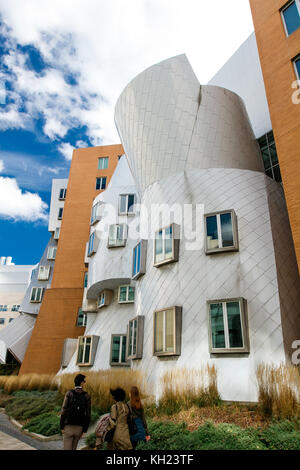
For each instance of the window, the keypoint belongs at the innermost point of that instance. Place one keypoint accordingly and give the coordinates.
(100, 183)
(167, 332)
(86, 351)
(166, 245)
(297, 66)
(86, 274)
(126, 204)
(2, 321)
(139, 259)
(81, 318)
(126, 294)
(104, 298)
(118, 350)
(52, 252)
(221, 232)
(269, 156)
(96, 212)
(62, 194)
(135, 338)
(36, 294)
(120, 156)
(291, 16)
(56, 233)
(11, 319)
(3, 308)
(102, 163)
(15, 308)
(60, 213)
(228, 326)
(93, 244)
(44, 272)
(117, 235)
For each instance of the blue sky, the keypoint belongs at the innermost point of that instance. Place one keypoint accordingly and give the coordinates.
(63, 66)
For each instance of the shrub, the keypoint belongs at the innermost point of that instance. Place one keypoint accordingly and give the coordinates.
(25, 405)
(284, 435)
(47, 424)
(90, 440)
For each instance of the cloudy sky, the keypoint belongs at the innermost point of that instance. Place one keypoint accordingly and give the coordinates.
(64, 64)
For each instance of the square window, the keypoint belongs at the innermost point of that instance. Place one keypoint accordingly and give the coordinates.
(117, 235)
(62, 194)
(102, 163)
(44, 273)
(166, 245)
(86, 350)
(60, 213)
(139, 259)
(126, 204)
(126, 294)
(100, 183)
(118, 350)
(51, 252)
(221, 232)
(228, 326)
(135, 337)
(291, 16)
(36, 294)
(167, 332)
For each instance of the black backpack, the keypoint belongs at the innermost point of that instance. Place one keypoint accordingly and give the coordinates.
(77, 413)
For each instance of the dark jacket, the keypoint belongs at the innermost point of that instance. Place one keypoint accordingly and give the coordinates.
(138, 413)
(66, 407)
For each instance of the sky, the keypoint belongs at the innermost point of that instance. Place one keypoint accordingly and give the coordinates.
(64, 63)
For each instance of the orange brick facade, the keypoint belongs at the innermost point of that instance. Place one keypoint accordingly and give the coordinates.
(277, 52)
(57, 318)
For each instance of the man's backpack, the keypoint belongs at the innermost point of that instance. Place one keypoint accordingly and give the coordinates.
(77, 413)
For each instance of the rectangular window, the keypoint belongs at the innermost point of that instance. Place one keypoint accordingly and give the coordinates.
(2, 321)
(62, 194)
(118, 350)
(102, 163)
(56, 233)
(135, 338)
(15, 308)
(3, 308)
(92, 247)
(60, 213)
(126, 294)
(139, 259)
(221, 232)
(51, 252)
(291, 16)
(44, 273)
(81, 318)
(86, 350)
(100, 183)
(117, 235)
(36, 294)
(97, 211)
(167, 332)
(104, 298)
(297, 67)
(126, 204)
(86, 274)
(228, 326)
(166, 245)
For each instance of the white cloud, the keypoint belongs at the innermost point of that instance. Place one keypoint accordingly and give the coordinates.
(66, 150)
(106, 44)
(18, 205)
(1, 165)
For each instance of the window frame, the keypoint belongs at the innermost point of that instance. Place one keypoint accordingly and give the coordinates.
(52, 249)
(296, 59)
(64, 194)
(119, 364)
(283, 9)
(175, 245)
(140, 321)
(16, 309)
(92, 249)
(107, 295)
(56, 233)
(95, 215)
(128, 286)
(235, 246)
(46, 268)
(124, 239)
(4, 308)
(84, 315)
(143, 259)
(106, 159)
(60, 213)
(177, 332)
(244, 327)
(101, 178)
(93, 349)
(35, 296)
(127, 213)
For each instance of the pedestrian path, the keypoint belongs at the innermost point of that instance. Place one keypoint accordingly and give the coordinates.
(8, 442)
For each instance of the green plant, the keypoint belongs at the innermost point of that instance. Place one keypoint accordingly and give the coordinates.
(26, 405)
(284, 435)
(90, 440)
(46, 424)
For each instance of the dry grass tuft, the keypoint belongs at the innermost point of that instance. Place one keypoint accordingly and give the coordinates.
(279, 390)
(12, 383)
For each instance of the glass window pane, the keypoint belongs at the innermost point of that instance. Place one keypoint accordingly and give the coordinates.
(123, 208)
(130, 202)
(291, 18)
(159, 247)
(103, 183)
(212, 232)
(277, 174)
(134, 337)
(269, 173)
(273, 154)
(115, 349)
(266, 158)
(297, 63)
(159, 326)
(131, 292)
(123, 294)
(217, 326)
(226, 229)
(168, 242)
(80, 350)
(123, 356)
(33, 294)
(112, 235)
(170, 331)
(234, 325)
(87, 350)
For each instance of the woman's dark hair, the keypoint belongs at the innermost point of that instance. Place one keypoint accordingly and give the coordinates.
(118, 394)
(135, 399)
(79, 379)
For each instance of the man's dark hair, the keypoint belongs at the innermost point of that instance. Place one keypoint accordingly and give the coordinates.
(78, 379)
(118, 394)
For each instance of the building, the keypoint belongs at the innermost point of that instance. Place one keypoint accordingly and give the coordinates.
(14, 281)
(57, 289)
(190, 243)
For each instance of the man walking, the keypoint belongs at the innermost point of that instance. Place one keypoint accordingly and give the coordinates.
(75, 414)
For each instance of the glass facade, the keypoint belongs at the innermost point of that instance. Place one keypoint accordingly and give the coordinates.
(291, 16)
(269, 156)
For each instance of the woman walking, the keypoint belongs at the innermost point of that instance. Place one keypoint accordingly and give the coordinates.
(137, 417)
(118, 420)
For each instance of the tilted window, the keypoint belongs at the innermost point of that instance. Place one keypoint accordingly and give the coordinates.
(93, 244)
(62, 194)
(81, 318)
(291, 16)
(86, 350)
(228, 326)
(86, 275)
(166, 245)
(104, 298)
(118, 350)
(221, 232)
(56, 233)
(36, 294)
(51, 252)
(117, 235)
(167, 332)
(139, 259)
(44, 273)
(296, 63)
(97, 212)
(126, 204)
(135, 337)
(60, 213)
